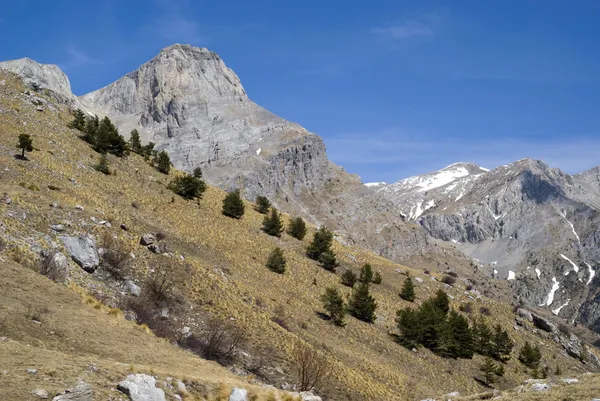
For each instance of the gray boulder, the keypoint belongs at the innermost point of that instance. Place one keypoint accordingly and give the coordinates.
(83, 251)
(158, 248)
(141, 387)
(525, 314)
(238, 394)
(133, 288)
(81, 392)
(40, 393)
(147, 239)
(544, 324)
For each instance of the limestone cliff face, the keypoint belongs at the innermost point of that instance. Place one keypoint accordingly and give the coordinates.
(38, 76)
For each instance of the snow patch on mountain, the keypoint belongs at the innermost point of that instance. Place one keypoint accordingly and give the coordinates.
(592, 274)
(375, 184)
(575, 267)
(511, 275)
(550, 298)
(557, 310)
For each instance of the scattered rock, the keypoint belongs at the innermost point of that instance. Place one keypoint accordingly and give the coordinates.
(238, 394)
(543, 324)
(79, 207)
(81, 392)
(124, 227)
(141, 387)
(180, 387)
(32, 371)
(540, 387)
(453, 394)
(147, 239)
(418, 279)
(57, 227)
(83, 250)
(105, 223)
(525, 314)
(133, 288)
(157, 248)
(570, 381)
(308, 396)
(40, 393)
(3, 339)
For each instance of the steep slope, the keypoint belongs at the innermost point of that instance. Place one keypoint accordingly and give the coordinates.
(529, 222)
(220, 263)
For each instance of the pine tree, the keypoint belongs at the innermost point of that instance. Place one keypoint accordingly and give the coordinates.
(408, 290)
(272, 224)
(134, 141)
(276, 261)
(502, 344)
(197, 173)
(25, 144)
(530, 356)
(262, 204)
(297, 228)
(431, 317)
(482, 338)
(162, 161)
(366, 274)
(377, 278)
(233, 206)
(334, 305)
(187, 186)
(407, 320)
(108, 139)
(320, 244)
(348, 278)
(362, 305)
(90, 130)
(102, 165)
(488, 369)
(441, 301)
(147, 150)
(455, 339)
(78, 120)
(328, 261)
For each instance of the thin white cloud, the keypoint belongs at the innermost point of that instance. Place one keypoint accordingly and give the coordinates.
(405, 30)
(393, 154)
(174, 24)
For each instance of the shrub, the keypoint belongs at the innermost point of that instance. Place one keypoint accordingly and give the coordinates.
(484, 310)
(163, 284)
(197, 173)
(116, 259)
(377, 278)
(349, 278)
(78, 120)
(162, 162)
(53, 188)
(328, 261)
(450, 280)
(272, 224)
(276, 261)
(262, 204)
(102, 165)
(334, 305)
(297, 228)
(48, 267)
(219, 342)
(134, 142)
(312, 367)
(489, 371)
(25, 144)
(366, 274)
(233, 206)
(107, 139)
(466, 307)
(530, 356)
(187, 186)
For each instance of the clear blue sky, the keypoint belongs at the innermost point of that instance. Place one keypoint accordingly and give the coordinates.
(394, 87)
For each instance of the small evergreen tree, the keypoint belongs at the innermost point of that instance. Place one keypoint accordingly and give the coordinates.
(147, 150)
(366, 274)
(502, 344)
(102, 165)
(297, 228)
(530, 356)
(441, 301)
(108, 139)
(431, 317)
(233, 206)
(78, 120)
(407, 320)
(162, 161)
(489, 369)
(187, 186)
(276, 261)
(349, 278)
(362, 305)
(408, 290)
(328, 261)
(455, 339)
(25, 144)
(134, 142)
(482, 338)
(334, 305)
(90, 130)
(272, 224)
(377, 279)
(320, 244)
(197, 173)
(262, 204)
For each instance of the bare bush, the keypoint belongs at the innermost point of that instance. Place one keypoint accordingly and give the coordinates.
(312, 367)
(450, 280)
(163, 284)
(219, 343)
(116, 258)
(35, 313)
(50, 267)
(484, 310)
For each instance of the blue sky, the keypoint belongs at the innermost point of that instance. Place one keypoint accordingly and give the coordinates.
(395, 88)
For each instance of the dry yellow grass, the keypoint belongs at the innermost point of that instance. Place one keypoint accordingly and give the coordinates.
(228, 278)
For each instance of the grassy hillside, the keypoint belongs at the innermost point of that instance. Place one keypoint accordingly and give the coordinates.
(219, 263)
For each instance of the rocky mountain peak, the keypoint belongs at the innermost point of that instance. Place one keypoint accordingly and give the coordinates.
(36, 75)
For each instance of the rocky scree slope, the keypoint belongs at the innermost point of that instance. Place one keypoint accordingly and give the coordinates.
(531, 224)
(219, 265)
